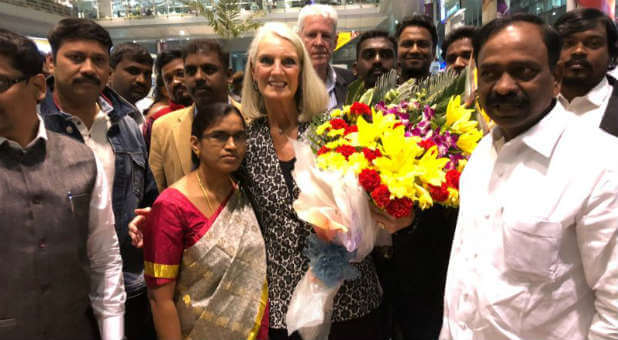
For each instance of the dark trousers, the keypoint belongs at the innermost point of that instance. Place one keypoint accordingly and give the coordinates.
(364, 328)
(138, 324)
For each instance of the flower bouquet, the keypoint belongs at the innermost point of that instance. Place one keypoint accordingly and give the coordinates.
(394, 147)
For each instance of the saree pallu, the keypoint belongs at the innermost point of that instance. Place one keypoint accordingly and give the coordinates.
(221, 289)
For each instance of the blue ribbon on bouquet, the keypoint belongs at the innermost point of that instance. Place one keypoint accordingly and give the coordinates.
(330, 262)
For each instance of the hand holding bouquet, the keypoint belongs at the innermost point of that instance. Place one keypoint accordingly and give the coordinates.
(392, 150)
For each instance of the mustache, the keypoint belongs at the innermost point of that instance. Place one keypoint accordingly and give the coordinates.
(415, 55)
(178, 88)
(517, 100)
(377, 67)
(202, 87)
(581, 61)
(140, 87)
(87, 79)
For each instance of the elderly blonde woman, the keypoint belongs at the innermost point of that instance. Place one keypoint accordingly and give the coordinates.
(281, 93)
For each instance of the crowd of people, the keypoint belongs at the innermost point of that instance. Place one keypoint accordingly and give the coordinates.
(177, 222)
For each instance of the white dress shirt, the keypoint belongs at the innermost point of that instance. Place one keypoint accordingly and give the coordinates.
(591, 107)
(331, 81)
(107, 295)
(535, 252)
(96, 139)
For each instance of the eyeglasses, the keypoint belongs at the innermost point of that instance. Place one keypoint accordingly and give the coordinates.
(6, 83)
(221, 138)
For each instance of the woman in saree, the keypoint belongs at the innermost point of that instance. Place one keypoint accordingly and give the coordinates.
(204, 252)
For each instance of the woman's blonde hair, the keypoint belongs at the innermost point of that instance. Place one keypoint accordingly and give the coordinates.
(311, 96)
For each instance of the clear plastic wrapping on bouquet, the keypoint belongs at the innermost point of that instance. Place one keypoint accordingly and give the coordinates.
(332, 201)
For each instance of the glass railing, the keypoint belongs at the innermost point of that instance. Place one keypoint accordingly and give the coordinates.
(135, 9)
(49, 6)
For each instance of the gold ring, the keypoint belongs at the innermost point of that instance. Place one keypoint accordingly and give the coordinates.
(381, 225)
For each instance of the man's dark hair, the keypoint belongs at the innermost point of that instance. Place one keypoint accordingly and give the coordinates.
(21, 52)
(207, 46)
(131, 51)
(459, 33)
(551, 38)
(419, 20)
(375, 34)
(78, 29)
(583, 19)
(165, 57)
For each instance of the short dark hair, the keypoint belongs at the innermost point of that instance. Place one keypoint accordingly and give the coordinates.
(459, 33)
(131, 51)
(23, 54)
(206, 46)
(165, 57)
(551, 38)
(78, 29)
(583, 19)
(207, 115)
(375, 34)
(419, 20)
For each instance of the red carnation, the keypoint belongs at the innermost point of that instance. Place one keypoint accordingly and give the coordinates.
(369, 179)
(440, 193)
(350, 129)
(323, 150)
(381, 196)
(360, 109)
(452, 178)
(400, 207)
(371, 154)
(338, 123)
(427, 143)
(346, 150)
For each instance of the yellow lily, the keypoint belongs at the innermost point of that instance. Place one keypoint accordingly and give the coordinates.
(458, 117)
(468, 141)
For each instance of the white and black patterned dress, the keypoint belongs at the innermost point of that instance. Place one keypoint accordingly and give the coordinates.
(285, 235)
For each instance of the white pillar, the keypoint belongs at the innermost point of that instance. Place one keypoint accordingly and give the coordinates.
(571, 5)
(105, 8)
(489, 11)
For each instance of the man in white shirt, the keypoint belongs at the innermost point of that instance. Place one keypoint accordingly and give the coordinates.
(589, 50)
(78, 104)
(59, 254)
(535, 252)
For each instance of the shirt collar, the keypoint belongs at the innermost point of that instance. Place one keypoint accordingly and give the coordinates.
(543, 136)
(331, 78)
(105, 106)
(41, 134)
(597, 96)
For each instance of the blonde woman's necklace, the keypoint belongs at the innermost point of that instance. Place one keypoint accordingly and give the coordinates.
(199, 181)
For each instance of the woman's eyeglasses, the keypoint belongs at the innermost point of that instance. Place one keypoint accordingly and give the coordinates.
(221, 138)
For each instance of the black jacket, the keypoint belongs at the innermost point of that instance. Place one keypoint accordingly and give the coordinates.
(609, 123)
(344, 78)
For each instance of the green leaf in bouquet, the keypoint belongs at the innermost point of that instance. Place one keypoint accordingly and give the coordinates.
(367, 97)
(437, 88)
(384, 84)
(310, 135)
(355, 91)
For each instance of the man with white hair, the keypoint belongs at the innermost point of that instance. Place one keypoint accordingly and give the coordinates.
(317, 26)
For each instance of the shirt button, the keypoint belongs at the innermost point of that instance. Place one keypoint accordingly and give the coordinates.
(42, 244)
(69, 129)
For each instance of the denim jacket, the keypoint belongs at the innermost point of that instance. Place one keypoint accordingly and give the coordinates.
(133, 186)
